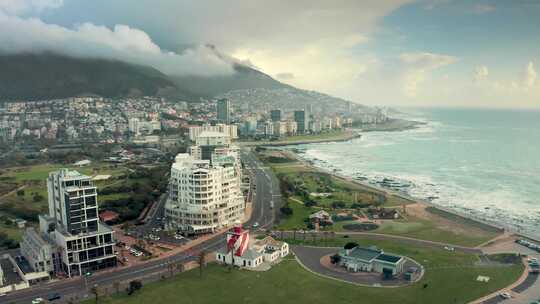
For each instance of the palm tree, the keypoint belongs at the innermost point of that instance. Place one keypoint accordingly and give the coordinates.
(202, 261)
(94, 290)
(116, 286)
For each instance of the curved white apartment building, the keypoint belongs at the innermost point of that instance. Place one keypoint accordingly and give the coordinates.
(204, 195)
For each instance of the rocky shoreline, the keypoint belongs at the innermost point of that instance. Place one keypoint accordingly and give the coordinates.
(392, 125)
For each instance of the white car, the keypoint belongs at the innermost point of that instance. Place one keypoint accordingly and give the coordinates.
(255, 225)
(178, 237)
(449, 248)
(37, 301)
(505, 295)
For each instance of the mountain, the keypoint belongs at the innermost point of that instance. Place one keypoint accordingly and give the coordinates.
(243, 78)
(47, 76)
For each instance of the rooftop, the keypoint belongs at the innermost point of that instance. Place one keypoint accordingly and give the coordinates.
(362, 253)
(389, 258)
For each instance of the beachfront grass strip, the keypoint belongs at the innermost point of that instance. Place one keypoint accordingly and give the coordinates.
(288, 282)
(428, 230)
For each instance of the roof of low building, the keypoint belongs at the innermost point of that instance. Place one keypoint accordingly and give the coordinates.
(270, 241)
(249, 254)
(362, 253)
(389, 258)
(320, 213)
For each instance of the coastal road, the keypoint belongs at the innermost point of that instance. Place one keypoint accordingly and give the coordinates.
(74, 287)
(266, 191)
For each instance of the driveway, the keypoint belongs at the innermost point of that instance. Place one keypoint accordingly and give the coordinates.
(310, 258)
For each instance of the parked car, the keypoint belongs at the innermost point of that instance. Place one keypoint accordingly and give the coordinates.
(37, 301)
(53, 297)
(505, 295)
(255, 225)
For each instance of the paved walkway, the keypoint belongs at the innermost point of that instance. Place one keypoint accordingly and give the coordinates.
(310, 258)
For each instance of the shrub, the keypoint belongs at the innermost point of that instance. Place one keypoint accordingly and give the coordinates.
(134, 286)
(286, 210)
(338, 205)
(335, 259)
(350, 245)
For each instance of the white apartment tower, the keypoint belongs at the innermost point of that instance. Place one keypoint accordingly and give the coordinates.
(204, 188)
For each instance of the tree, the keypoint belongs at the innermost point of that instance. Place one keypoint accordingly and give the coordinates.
(95, 291)
(310, 203)
(116, 286)
(20, 192)
(134, 286)
(202, 261)
(286, 210)
(350, 245)
(335, 259)
(37, 198)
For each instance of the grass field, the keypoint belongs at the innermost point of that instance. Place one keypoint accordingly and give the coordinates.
(409, 227)
(12, 231)
(428, 230)
(33, 180)
(288, 282)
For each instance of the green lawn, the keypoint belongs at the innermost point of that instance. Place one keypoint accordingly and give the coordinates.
(12, 231)
(33, 178)
(41, 172)
(410, 227)
(296, 220)
(288, 282)
(427, 230)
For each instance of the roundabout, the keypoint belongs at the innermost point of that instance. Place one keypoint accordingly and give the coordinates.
(318, 261)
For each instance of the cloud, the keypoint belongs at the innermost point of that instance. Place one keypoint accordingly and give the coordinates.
(417, 67)
(480, 73)
(530, 75)
(17, 7)
(285, 76)
(121, 42)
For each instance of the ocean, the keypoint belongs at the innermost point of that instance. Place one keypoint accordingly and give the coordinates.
(481, 163)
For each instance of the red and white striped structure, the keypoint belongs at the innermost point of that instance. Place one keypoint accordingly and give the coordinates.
(237, 241)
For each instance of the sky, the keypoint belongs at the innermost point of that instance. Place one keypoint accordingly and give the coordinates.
(395, 52)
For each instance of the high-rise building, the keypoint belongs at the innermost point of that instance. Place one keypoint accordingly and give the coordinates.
(133, 125)
(302, 121)
(224, 110)
(275, 115)
(231, 130)
(81, 242)
(204, 195)
(207, 142)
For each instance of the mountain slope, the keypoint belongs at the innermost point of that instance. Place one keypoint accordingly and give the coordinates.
(244, 78)
(46, 75)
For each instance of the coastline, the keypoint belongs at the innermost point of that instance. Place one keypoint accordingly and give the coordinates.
(392, 125)
(494, 225)
(349, 135)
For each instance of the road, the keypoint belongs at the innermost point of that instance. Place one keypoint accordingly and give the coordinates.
(266, 190)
